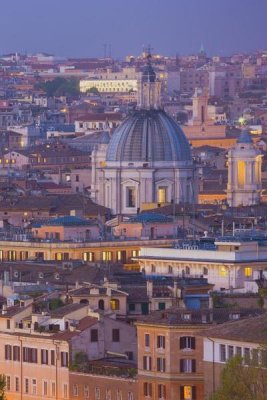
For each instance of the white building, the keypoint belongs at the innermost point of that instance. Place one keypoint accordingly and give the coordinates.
(230, 265)
(244, 173)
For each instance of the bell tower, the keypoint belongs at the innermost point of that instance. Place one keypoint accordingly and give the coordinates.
(244, 173)
(149, 88)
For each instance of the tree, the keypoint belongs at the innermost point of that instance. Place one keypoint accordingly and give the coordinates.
(2, 387)
(243, 382)
(60, 87)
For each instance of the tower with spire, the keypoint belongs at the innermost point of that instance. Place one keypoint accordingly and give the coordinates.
(244, 172)
(149, 88)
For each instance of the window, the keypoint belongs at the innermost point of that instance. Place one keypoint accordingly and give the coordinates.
(53, 361)
(119, 395)
(65, 390)
(17, 384)
(205, 271)
(8, 324)
(64, 359)
(161, 342)
(161, 305)
(187, 342)
(153, 268)
(223, 272)
(170, 269)
(30, 355)
(248, 272)
(106, 256)
(86, 391)
(44, 356)
(8, 352)
(34, 386)
(88, 256)
(147, 389)
(26, 385)
(75, 391)
(222, 352)
(255, 356)
(187, 365)
(53, 389)
(115, 335)
(130, 396)
(161, 392)
(131, 307)
(45, 388)
(108, 394)
(238, 351)
(94, 335)
(161, 364)
(8, 383)
(97, 393)
(246, 355)
(130, 197)
(188, 392)
(147, 340)
(230, 351)
(162, 194)
(115, 304)
(147, 363)
(16, 353)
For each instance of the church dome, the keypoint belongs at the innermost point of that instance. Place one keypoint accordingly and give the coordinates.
(148, 136)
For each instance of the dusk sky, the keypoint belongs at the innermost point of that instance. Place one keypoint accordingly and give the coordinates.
(81, 27)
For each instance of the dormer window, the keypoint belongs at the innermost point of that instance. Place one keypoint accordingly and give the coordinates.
(186, 317)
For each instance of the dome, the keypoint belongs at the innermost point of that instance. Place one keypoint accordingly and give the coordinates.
(245, 137)
(148, 135)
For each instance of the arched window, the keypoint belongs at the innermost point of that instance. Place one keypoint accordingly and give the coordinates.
(84, 301)
(101, 304)
(114, 304)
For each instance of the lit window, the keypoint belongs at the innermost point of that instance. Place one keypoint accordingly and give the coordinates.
(162, 194)
(223, 271)
(106, 256)
(248, 272)
(114, 304)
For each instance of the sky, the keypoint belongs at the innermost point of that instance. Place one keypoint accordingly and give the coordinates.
(81, 27)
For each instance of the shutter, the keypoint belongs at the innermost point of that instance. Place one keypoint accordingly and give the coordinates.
(181, 393)
(194, 392)
(193, 342)
(144, 362)
(145, 389)
(182, 346)
(181, 365)
(164, 364)
(193, 365)
(163, 342)
(150, 363)
(158, 364)
(6, 352)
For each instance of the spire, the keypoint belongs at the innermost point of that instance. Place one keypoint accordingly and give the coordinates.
(149, 86)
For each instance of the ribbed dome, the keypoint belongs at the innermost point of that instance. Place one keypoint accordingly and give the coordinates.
(148, 135)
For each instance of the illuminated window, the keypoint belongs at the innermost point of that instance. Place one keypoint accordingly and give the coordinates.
(59, 257)
(248, 272)
(135, 253)
(106, 256)
(241, 170)
(88, 256)
(162, 194)
(114, 304)
(188, 392)
(223, 272)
